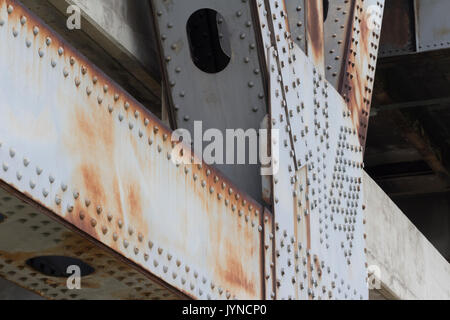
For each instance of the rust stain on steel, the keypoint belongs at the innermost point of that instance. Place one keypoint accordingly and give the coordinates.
(361, 63)
(302, 229)
(314, 31)
(98, 140)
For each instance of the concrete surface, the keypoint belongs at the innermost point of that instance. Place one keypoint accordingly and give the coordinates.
(410, 267)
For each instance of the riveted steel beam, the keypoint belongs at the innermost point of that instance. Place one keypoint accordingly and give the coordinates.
(317, 195)
(315, 33)
(78, 148)
(361, 59)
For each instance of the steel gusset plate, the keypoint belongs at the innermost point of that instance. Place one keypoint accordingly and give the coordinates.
(337, 30)
(200, 84)
(318, 205)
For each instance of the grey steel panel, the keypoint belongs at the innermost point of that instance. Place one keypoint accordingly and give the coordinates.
(318, 205)
(315, 33)
(296, 11)
(230, 99)
(361, 61)
(282, 182)
(432, 24)
(337, 28)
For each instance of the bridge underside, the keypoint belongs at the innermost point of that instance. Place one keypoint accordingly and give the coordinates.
(87, 172)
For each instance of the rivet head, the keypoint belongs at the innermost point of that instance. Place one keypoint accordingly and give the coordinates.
(35, 31)
(10, 9)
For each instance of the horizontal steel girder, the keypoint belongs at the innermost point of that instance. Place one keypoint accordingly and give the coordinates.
(76, 147)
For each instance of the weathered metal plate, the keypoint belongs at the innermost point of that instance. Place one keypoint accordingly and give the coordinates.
(232, 98)
(315, 33)
(269, 256)
(319, 235)
(282, 179)
(432, 24)
(361, 61)
(296, 12)
(337, 30)
(27, 233)
(398, 34)
(76, 144)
